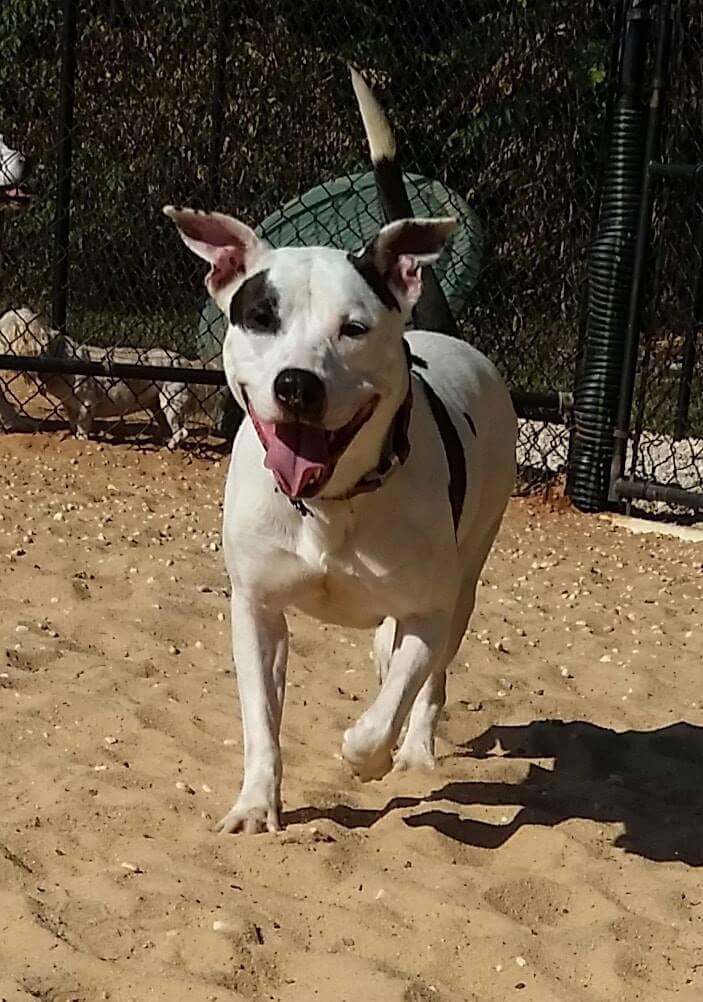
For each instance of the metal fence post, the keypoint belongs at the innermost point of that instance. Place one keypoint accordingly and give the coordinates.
(62, 222)
(217, 112)
(229, 415)
(630, 352)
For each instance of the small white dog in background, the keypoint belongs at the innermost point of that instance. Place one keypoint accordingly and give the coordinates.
(13, 168)
(367, 483)
(85, 398)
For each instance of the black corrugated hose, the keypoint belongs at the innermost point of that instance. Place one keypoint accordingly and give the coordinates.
(610, 266)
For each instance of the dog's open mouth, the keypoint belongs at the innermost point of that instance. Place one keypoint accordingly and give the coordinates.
(303, 457)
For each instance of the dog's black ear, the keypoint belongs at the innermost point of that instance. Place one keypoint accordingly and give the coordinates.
(228, 245)
(403, 246)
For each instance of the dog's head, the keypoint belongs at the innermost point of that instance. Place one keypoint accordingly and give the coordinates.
(13, 168)
(23, 332)
(314, 344)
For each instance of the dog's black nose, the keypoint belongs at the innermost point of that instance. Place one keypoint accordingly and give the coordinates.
(301, 392)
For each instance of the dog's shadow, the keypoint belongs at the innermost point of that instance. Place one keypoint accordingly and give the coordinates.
(650, 782)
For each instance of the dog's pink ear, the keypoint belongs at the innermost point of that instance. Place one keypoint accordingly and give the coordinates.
(228, 245)
(402, 247)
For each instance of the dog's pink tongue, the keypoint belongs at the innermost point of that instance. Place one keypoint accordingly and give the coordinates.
(295, 453)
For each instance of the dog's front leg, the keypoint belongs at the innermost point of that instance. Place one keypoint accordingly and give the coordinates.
(260, 645)
(368, 745)
(84, 422)
(10, 420)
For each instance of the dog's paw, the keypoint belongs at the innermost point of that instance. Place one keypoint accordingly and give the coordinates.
(175, 440)
(250, 819)
(368, 759)
(413, 757)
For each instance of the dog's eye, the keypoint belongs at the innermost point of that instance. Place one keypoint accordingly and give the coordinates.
(353, 328)
(261, 319)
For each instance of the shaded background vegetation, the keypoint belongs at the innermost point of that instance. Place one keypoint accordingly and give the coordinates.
(503, 101)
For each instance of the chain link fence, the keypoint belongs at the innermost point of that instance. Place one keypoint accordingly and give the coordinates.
(499, 109)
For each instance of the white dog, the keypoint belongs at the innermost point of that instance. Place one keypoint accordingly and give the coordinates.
(85, 398)
(367, 485)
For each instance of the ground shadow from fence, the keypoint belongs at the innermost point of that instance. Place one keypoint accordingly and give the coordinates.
(651, 782)
(140, 436)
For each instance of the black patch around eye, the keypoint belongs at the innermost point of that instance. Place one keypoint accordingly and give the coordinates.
(470, 422)
(254, 305)
(261, 318)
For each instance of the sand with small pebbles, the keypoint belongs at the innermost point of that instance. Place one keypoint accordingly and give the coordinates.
(555, 853)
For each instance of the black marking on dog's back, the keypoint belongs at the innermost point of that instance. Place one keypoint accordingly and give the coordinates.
(453, 449)
(255, 305)
(418, 362)
(470, 422)
(365, 264)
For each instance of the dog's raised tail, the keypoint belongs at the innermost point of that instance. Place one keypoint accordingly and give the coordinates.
(432, 310)
(382, 146)
(378, 129)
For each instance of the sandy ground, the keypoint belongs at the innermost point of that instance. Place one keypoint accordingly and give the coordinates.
(540, 861)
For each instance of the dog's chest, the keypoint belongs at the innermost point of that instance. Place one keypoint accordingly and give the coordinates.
(342, 579)
(332, 551)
